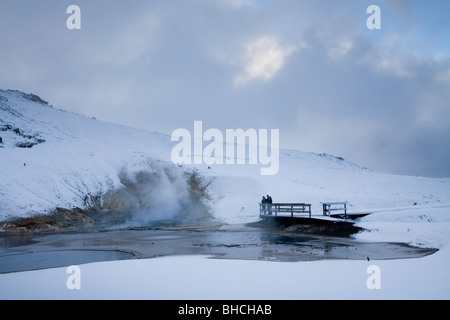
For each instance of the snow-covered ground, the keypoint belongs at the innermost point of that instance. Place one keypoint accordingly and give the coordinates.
(75, 159)
(197, 277)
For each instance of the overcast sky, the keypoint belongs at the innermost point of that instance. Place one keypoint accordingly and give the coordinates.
(380, 98)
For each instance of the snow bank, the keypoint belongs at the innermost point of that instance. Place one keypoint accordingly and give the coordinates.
(196, 277)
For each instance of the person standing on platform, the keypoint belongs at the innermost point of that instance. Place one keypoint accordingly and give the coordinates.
(269, 201)
(263, 205)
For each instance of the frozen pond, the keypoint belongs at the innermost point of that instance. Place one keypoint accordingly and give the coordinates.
(28, 252)
(53, 259)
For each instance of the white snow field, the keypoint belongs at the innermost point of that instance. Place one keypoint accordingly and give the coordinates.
(197, 277)
(52, 158)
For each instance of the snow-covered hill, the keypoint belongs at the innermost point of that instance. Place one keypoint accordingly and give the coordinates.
(52, 158)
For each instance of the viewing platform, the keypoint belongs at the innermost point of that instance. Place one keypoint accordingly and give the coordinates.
(332, 211)
(283, 215)
(284, 210)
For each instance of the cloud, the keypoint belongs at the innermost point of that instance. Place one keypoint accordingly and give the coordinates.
(340, 48)
(125, 43)
(310, 68)
(236, 4)
(263, 59)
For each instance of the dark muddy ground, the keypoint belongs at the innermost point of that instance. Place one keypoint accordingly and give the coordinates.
(256, 241)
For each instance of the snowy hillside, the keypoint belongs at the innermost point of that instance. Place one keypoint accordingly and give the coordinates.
(52, 158)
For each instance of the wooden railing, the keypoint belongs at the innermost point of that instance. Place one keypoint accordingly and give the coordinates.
(328, 207)
(284, 209)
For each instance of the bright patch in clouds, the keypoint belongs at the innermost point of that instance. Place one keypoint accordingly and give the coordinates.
(237, 4)
(341, 48)
(263, 59)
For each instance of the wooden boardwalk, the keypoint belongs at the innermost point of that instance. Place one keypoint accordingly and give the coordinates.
(284, 215)
(302, 211)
